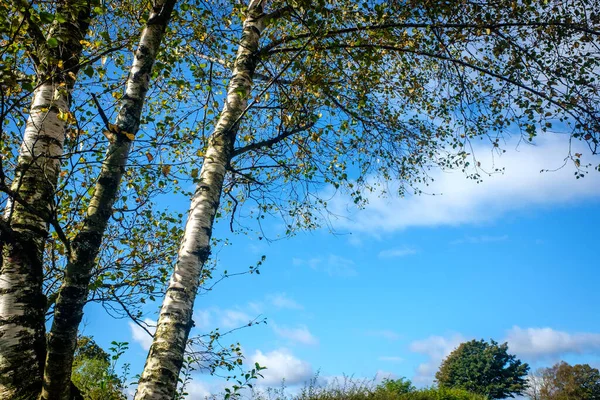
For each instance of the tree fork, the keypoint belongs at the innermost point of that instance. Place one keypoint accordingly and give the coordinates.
(22, 303)
(73, 293)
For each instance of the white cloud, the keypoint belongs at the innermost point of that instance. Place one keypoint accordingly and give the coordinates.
(281, 364)
(339, 266)
(141, 336)
(397, 252)
(300, 334)
(384, 333)
(197, 390)
(203, 319)
(381, 375)
(234, 318)
(312, 262)
(436, 348)
(459, 200)
(282, 301)
(529, 344)
(536, 343)
(333, 265)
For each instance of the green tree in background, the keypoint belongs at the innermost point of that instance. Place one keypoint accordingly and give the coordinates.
(563, 382)
(94, 371)
(484, 368)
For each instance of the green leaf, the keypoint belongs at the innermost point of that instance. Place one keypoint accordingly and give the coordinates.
(52, 42)
(46, 17)
(27, 86)
(60, 18)
(89, 71)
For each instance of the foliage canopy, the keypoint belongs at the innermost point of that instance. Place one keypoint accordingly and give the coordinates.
(484, 368)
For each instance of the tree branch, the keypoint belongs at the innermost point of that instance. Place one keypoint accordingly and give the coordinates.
(7, 234)
(270, 142)
(582, 28)
(464, 64)
(134, 319)
(51, 220)
(32, 29)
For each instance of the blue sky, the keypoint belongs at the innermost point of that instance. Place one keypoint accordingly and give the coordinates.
(404, 281)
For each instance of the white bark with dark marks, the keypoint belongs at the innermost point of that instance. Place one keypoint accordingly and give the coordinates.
(73, 293)
(22, 304)
(165, 358)
(30, 207)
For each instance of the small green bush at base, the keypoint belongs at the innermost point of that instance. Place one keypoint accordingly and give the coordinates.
(352, 389)
(441, 394)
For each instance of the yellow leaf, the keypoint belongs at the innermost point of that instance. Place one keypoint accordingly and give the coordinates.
(63, 115)
(166, 169)
(129, 136)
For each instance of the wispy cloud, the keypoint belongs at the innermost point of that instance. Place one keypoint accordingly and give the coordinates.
(529, 344)
(197, 390)
(283, 301)
(463, 201)
(380, 375)
(397, 252)
(203, 319)
(234, 318)
(300, 334)
(536, 343)
(332, 265)
(139, 335)
(436, 348)
(385, 334)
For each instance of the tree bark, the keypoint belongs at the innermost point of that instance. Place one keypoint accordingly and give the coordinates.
(28, 212)
(73, 293)
(165, 358)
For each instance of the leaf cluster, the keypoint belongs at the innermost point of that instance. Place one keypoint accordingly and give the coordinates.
(484, 368)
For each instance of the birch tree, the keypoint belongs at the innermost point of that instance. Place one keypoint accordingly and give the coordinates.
(348, 91)
(313, 97)
(55, 48)
(74, 291)
(80, 249)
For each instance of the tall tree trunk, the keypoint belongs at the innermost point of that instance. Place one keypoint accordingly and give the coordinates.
(165, 358)
(73, 293)
(29, 210)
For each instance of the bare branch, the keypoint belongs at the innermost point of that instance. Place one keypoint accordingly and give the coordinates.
(270, 142)
(533, 24)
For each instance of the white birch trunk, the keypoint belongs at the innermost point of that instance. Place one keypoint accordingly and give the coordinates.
(22, 304)
(165, 358)
(73, 293)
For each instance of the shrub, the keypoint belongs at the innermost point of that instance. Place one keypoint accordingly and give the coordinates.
(441, 394)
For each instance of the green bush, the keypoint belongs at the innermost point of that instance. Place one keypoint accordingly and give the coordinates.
(441, 394)
(395, 386)
(352, 389)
